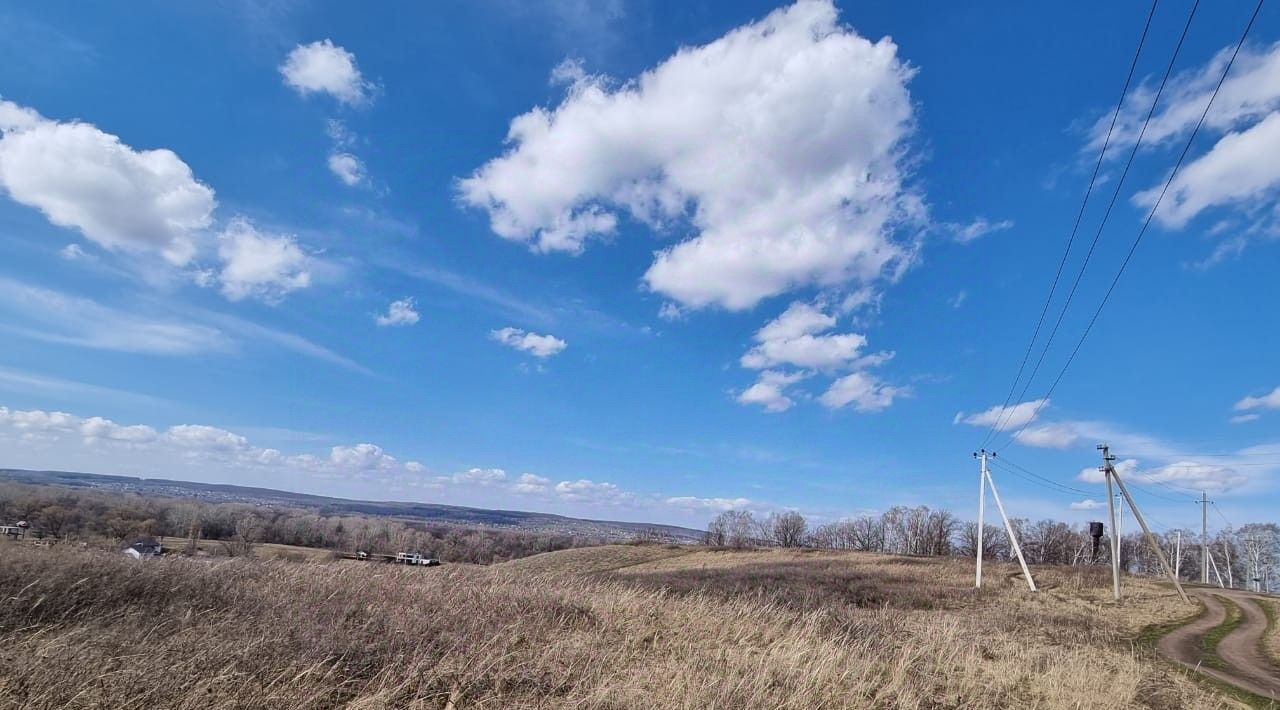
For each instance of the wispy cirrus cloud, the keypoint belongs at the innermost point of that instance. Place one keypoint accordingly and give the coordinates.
(175, 331)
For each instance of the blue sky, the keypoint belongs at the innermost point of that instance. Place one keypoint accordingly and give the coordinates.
(632, 260)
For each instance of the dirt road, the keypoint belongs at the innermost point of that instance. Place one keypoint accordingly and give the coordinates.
(1247, 668)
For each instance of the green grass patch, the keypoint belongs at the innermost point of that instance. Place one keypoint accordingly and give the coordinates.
(1209, 643)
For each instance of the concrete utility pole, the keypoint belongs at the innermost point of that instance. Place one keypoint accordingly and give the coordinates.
(1107, 458)
(982, 502)
(1177, 557)
(1216, 573)
(984, 481)
(1226, 549)
(1151, 540)
(1204, 537)
(1013, 537)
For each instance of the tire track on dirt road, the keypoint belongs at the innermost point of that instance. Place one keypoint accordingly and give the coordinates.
(1239, 650)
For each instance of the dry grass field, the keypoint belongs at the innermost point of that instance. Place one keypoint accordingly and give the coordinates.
(1272, 639)
(609, 627)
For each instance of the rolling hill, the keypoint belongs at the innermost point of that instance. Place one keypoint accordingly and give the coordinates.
(324, 505)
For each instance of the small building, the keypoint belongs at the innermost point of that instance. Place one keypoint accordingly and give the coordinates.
(144, 548)
(14, 532)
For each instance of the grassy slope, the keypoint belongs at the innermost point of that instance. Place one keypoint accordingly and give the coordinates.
(613, 627)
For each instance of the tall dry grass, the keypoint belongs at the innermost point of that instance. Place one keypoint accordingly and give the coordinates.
(80, 629)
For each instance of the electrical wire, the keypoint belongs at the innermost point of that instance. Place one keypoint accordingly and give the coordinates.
(1015, 464)
(1153, 494)
(1039, 480)
(1150, 215)
(1106, 215)
(1133, 65)
(1222, 515)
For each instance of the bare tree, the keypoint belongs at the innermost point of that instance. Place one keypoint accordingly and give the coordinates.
(248, 531)
(788, 529)
(733, 528)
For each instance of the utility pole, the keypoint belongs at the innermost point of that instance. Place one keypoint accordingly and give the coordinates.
(1204, 537)
(1107, 458)
(1151, 540)
(982, 501)
(1226, 549)
(984, 481)
(1216, 573)
(1177, 557)
(1013, 537)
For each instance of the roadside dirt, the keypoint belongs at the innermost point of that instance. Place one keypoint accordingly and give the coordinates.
(1247, 668)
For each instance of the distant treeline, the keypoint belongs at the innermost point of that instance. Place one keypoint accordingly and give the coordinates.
(1235, 554)
(107, 516)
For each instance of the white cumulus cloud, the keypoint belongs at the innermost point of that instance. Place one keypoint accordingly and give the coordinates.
(1087, 504)
(1271, 400)
(118, 197)
(782, 143)
(1003, 418)
(863, 391)
(99, 428)
(769, 390)
(323, 67)
(260, 264)
(540, 346)
(1051, 436)
(531, 484)
(715, 504)
(401, 312)
(798, 339)
(347, 167)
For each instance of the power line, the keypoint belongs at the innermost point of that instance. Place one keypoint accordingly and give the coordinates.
(1106, 215)
(1189, 455)
(1149, 477)
(1150, 215)
(1153, 494)
(1222, 515)
(1079, 215)
(1033, 477)
(1053, 489)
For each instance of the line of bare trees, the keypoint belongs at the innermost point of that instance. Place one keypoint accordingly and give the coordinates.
(1237, 555)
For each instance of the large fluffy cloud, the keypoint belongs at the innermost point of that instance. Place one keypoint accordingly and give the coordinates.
(84, 178)
(781, 142)
(144, 202)
(325, 68)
